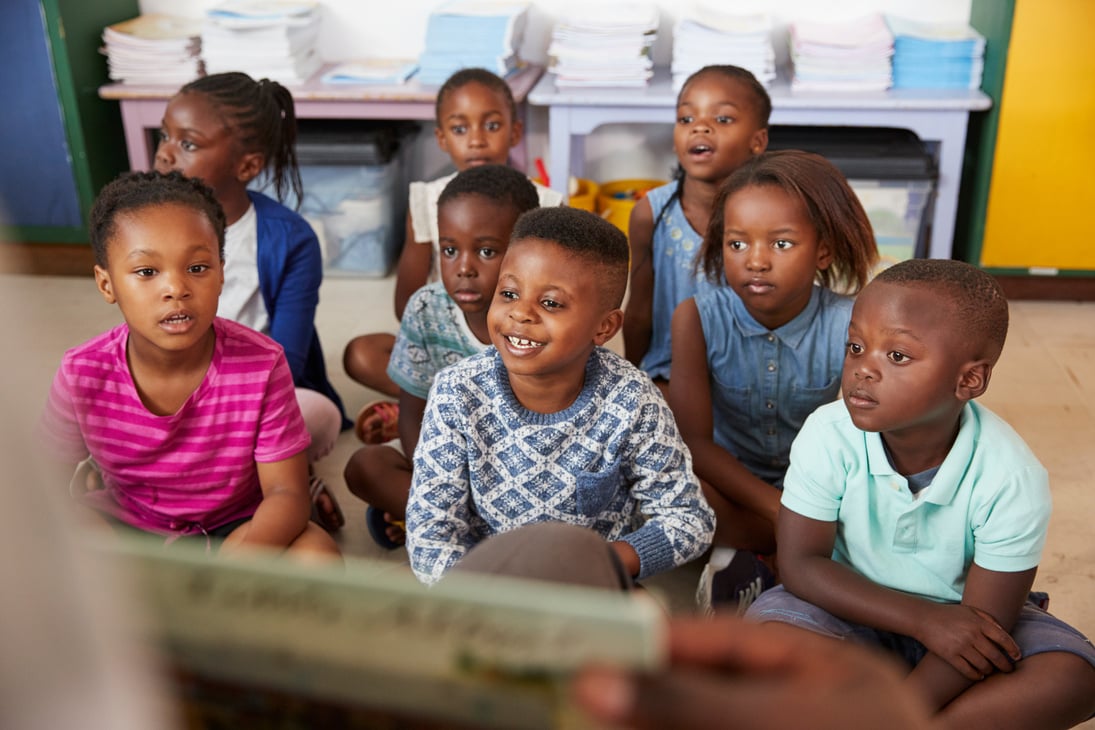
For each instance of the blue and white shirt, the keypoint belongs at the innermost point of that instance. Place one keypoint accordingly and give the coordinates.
(613, 462)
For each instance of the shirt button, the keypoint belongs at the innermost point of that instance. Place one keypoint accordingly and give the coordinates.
(771, 367)
(771, 337)
(769, 405)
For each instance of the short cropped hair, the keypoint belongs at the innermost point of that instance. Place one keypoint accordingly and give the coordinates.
(501, 183)
(480, 76)
(980, 306)
(585, 235)
(133, 191)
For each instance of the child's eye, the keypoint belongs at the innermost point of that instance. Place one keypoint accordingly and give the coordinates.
(782, 244)
(550, 304)
(723, 119)
(198, 268)
(507, 294)
(448, 251)
(854, 348)
(487, 253)
(493, 126)
(899, 357)
(736, 245)
(161, 136)
(187, 146)
(145, 271)
(686, 119)
(458, 129)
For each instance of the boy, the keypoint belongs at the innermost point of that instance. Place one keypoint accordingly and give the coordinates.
(444, 322)
(914, 518)
(547, 425)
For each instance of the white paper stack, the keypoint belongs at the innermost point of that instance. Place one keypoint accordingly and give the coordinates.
(936, 56)
(723, 33)
(472, 34)
(272, 39)
(850, 56)
(604, 44)
(153, 49)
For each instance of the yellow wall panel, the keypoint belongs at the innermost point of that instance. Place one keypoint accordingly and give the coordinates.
(1041, 207)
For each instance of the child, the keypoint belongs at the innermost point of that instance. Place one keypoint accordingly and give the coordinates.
(226, 129)
(445, 322)
(477, 124)
(753, 357)
(914, 519)
(190, 419)
(722, 121)
(547, 425)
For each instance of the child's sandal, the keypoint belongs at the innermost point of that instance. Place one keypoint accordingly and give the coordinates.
(330, 521)
(382, 411)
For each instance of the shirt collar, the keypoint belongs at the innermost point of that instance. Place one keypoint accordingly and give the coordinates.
(951, 471)
(791, 334)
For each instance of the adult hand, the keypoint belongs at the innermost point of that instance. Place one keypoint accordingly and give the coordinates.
(968, 639)
(725, 672)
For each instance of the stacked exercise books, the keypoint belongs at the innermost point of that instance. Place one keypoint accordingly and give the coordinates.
(604, 44)
(936, 56)
(272, 39)
(472, 34)
(853, 55)
(153, 49)
(721, 34)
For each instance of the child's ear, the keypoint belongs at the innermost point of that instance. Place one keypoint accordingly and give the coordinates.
(439, 135)
(102, 283)
(610, 325)
(250, 165)
(973, 381)
(824, 256)
(759, 142)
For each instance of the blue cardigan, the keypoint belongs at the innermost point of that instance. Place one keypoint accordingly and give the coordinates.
(290, 271)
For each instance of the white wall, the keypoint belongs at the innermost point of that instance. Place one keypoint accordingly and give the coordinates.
(374, 29)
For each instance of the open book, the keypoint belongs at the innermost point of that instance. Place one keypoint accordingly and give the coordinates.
(366, 643)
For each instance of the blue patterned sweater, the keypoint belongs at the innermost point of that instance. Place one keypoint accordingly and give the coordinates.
(613, 461)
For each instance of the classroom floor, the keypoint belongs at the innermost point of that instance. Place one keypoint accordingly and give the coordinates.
(1044, 386)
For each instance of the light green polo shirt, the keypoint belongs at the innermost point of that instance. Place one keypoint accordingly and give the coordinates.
(989, 503)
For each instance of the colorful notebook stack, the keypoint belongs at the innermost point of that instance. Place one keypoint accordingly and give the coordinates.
(936, 56)
(849, 56)
(154, 49)
(472, 34)
(272, 39)
(723, 34)
(604, 44)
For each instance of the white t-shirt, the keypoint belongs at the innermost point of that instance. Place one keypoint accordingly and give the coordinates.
(241, 300)
(423, 210)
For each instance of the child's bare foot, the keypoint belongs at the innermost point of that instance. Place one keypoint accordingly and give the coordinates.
(377, 422)
(325, 510)
(386, 531)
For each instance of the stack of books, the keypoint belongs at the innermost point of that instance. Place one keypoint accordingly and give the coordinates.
(715, 34)
(604, 44)
(936, 56)
(269, 39)
(850, 56)
(472, 34)
(153, 49)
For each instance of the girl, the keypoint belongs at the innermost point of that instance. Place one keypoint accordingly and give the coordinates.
(476, 124)
(722, 121)
(227, 129)
(756, 355)
(189, 419)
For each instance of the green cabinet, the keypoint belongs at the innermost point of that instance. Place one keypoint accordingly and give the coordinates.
(59, 142)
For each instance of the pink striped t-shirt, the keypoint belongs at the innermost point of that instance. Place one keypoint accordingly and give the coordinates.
(190, 471)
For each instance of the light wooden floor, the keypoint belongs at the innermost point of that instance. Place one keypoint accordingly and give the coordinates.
(1044, 386)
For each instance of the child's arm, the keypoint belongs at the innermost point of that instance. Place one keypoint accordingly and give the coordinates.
(690, 399)
(961, 653)
(413, 269)
(439, 508)
(639, 312)
(285, 508)
(411, 410)
(293, 314)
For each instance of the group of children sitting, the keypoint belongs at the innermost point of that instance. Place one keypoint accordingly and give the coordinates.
(819, 430)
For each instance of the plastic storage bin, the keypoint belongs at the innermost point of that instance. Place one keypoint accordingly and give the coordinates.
(616, 199)
(354, 193)
(890, 170)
